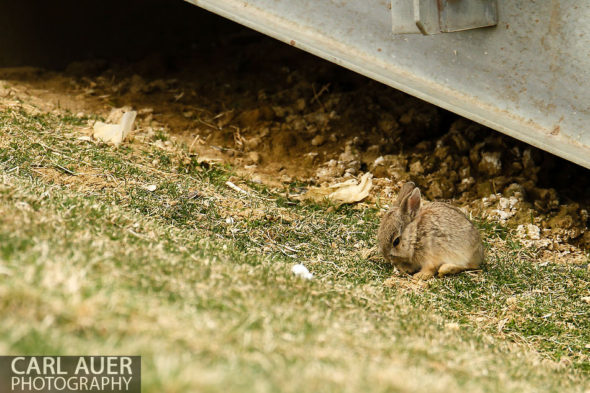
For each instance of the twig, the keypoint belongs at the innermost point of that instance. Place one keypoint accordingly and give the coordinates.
(236, 188)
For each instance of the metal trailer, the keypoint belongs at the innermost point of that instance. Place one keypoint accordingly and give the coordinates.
(527, 74)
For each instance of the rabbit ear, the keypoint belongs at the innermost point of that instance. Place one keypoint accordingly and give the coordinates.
(404, 192)
(411, 204)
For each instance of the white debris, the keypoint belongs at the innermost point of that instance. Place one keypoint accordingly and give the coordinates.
(490, 163)
(502, 215)
(347, 192)
(507, 203)
(151, 187)
(301, 271)
(529, 231)
(115, 133)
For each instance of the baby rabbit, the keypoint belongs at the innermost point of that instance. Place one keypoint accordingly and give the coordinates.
(428, 239)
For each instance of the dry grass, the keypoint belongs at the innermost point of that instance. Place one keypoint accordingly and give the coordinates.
(195, 277)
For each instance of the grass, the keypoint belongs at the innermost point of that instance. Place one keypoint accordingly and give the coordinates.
(195, 277)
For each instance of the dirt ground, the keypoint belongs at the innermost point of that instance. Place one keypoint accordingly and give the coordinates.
(288, 119)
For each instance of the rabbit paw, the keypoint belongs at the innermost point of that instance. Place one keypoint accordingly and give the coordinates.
(449, 268)
(424, 275)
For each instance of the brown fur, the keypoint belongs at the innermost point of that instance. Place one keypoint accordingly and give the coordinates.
(436, 238)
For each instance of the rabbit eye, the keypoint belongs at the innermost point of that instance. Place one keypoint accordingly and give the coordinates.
(396, 241)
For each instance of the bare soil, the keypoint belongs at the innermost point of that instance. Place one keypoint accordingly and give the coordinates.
(286, 119)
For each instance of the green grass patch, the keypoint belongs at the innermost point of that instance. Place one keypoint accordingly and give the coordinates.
(195, 277)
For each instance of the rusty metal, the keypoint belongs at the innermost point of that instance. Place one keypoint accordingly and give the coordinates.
(528, 77)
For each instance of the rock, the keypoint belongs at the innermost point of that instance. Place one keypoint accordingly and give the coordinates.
(300, 104)
(251, 117)
(514, 190)
(490, 163)
(330, 170)
(484, 189)
(136, 84)
(379, 161)
(529, 231)
(254, 157)
(434, 191)
(406, 118)
(311, 158)
(416, 168)
(441, 152)
(387, 124)
(527, 159)
(507, 203)
(252, 143)
(318, 140)
(465, 171)
(350, 154)
(280, 111)
(466, 184)
(354, 166)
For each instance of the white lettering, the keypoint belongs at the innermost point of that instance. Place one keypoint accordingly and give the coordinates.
(63, 383)
(13, 365)
(28, 383)
(126, 365)
(126, 380)
(41, 380)
(82, 366)
(48, 365)
(111, 365)
(33, 365)
(93, 364)
(116, 381)
(94, 384)
(59, 370)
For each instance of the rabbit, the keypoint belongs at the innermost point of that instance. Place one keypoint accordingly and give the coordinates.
(430, 239)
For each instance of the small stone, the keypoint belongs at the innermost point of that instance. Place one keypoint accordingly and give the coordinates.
(514, 190)
(465, 172)
(533, 231)
(490, 163)
(416, 168)
(527, 159)
(318, 140)
(406, 118)
(300, 104)
(435, 191)
(466, 184)
(349, 154)
(507, 203)
(252, 143)
(254, 157)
